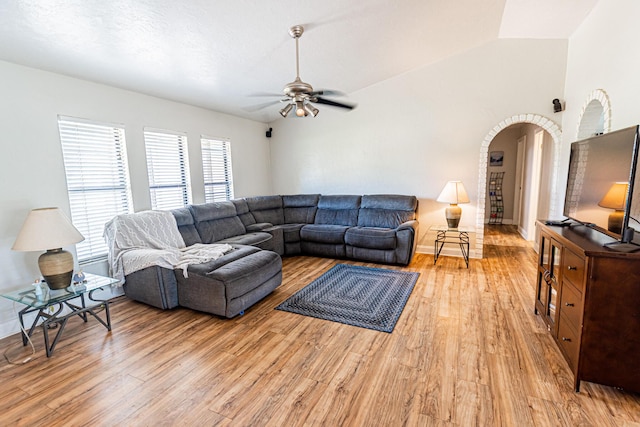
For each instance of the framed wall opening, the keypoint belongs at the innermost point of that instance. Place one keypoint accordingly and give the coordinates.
(544, 123)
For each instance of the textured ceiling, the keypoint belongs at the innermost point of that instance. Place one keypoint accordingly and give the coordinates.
(215, 54)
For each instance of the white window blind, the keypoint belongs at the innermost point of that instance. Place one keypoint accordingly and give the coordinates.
(216, 165)
(95, 164)
(168, 169)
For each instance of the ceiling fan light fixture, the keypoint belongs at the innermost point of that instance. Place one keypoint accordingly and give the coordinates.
(300, 95)
(285, 111)
(311, 110)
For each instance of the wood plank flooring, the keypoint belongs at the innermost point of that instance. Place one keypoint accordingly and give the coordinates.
(467, 351)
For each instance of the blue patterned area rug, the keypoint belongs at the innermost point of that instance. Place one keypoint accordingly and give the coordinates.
(367, 297)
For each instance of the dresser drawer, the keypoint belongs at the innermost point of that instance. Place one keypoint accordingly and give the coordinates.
(568, 341)
(573, 269)
(571, 305)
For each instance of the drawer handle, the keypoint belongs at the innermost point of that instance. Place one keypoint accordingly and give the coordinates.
(569, 304)
(572, 268)
(566, 339)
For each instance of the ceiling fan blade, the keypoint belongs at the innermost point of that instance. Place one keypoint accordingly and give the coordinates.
(327, 92)
(252, 108)
(319, 100)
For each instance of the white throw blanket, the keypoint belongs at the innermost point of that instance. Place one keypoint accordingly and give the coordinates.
(140, 240)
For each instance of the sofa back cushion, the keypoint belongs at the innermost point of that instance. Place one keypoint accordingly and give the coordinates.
(266, 209)
(300, 208)
(242, 210)
(186, 226)
(216, 221)
(338, 210)
(386, 211)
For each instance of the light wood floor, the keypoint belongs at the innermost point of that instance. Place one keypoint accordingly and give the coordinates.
(467, 351)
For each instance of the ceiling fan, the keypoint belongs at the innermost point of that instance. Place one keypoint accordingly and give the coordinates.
(300, 95)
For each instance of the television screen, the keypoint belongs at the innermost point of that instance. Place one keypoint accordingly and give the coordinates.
(600, 171)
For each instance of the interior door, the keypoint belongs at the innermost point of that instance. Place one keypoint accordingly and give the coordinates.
(519, 187)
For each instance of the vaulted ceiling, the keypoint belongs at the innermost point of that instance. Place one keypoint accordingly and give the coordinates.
(216, 54)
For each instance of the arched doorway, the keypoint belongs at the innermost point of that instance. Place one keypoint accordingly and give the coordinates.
(544, 123)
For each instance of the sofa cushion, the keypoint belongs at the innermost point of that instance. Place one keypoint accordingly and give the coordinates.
(186, 226)
(323, 233)
(371, 237)
(239, 251)
(258, 226)
(389, 201)
(338, 210)
(388, 211)
(266, 209)
(253, 239)
(242, 210)
(300, 209)
(216, 221)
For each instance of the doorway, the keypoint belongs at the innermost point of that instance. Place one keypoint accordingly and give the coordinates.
(549, 164)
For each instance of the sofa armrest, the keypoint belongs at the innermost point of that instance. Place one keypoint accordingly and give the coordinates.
(261, 226)
(408, 224)
(276, 244)
(406, 234)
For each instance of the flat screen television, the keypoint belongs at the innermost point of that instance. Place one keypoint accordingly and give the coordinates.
(601, 191)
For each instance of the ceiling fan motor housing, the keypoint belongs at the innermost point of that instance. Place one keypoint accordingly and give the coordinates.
(297, 87)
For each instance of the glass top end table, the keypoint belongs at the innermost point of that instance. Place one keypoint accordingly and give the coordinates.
(52, 317)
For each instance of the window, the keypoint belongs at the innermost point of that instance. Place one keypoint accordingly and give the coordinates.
(216, 165)
(168, 169)
(95, 164)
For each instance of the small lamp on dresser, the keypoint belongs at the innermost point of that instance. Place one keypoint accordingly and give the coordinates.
(616, 199)
(49, 229)
(453, 193)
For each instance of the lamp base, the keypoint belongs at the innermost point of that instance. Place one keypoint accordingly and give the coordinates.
(56, 267)
(615, 222)
(453, 214)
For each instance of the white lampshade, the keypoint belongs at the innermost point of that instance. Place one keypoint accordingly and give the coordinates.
(49, 229)
(616, 197)
(46, 228)
(453, 193)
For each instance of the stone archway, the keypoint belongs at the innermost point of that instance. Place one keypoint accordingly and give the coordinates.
(548, 125)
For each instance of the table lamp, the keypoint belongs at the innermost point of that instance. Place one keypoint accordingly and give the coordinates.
(49, 229)
(615, 198)
(453, 193)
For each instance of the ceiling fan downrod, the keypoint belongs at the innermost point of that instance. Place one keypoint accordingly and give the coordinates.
(297, 89)
(296, 32)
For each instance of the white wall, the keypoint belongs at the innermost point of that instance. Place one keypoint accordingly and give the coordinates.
(413, 133)
(31, 167)
(603, 54)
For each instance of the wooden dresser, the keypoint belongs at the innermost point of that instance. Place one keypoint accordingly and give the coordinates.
(589, 297)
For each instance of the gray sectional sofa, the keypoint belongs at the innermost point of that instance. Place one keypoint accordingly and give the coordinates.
(376, 228)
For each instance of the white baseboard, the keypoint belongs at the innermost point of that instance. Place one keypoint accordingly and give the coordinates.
(504, 222)
(522, 232)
